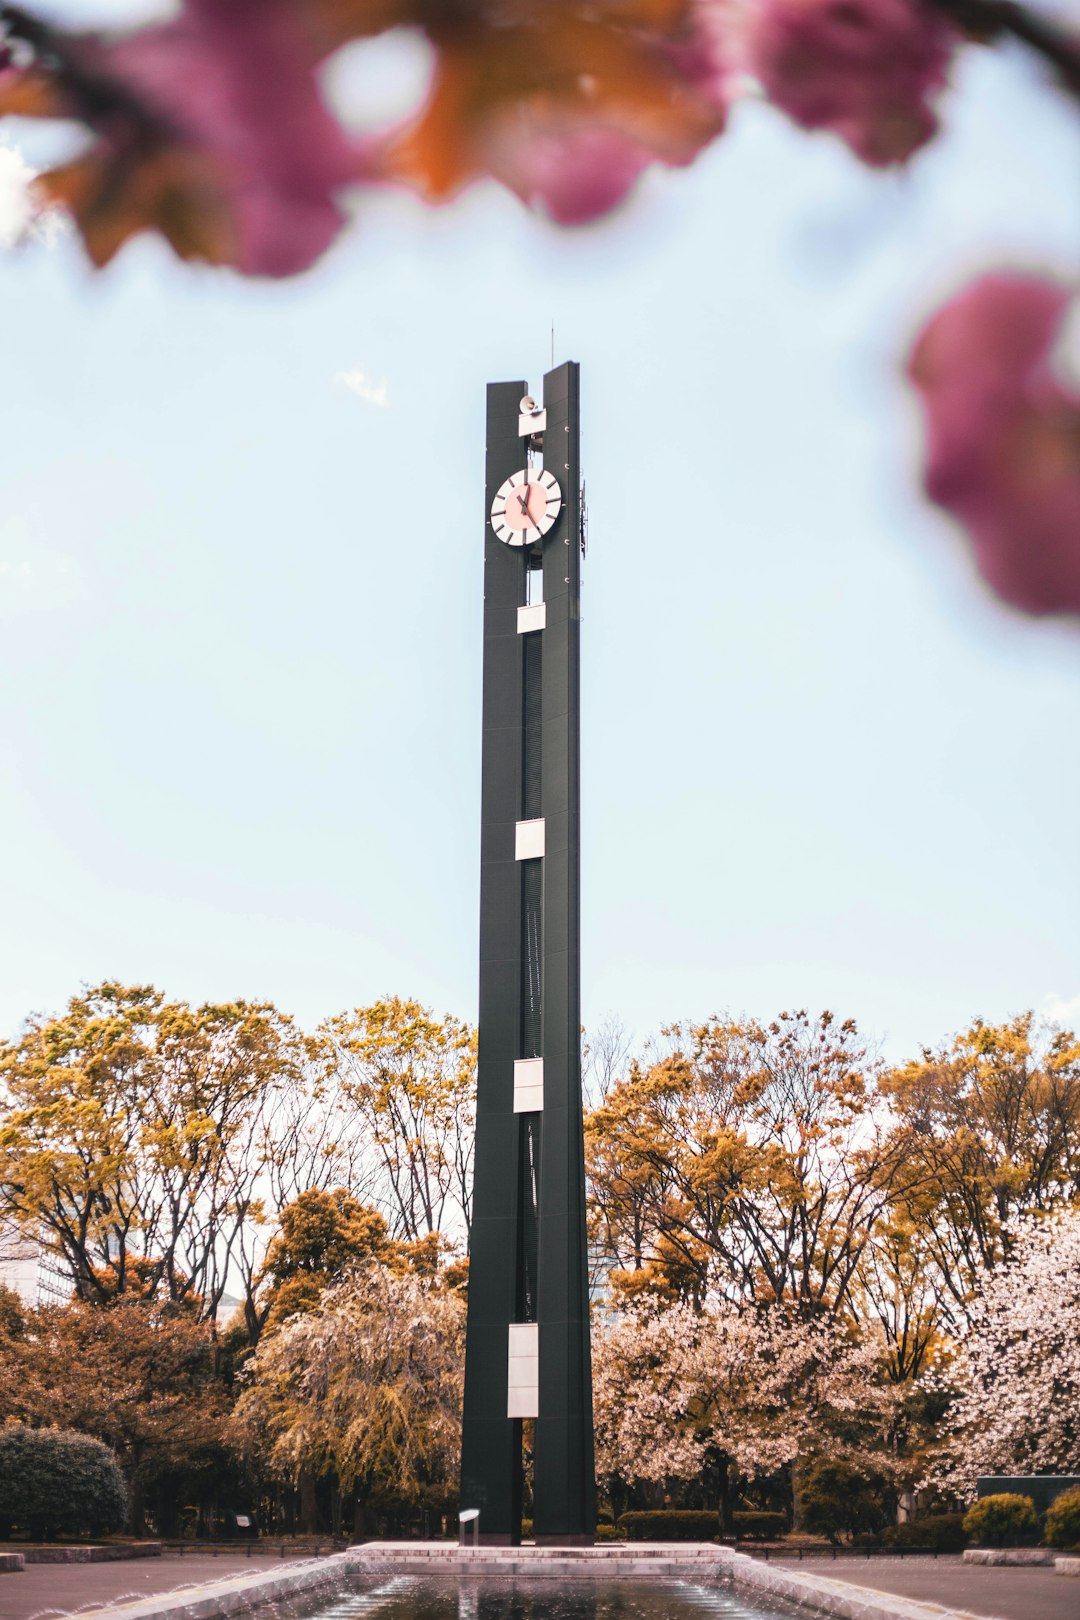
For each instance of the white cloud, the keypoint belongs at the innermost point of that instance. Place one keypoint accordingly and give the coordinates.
(359, 383)
(1061, 1009)
(21, 214)
(33, 578)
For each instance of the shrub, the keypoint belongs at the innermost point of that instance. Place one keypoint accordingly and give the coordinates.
(1061, 1527)
(54, 1482)
(759, 1526)
(668, 1525)
(994, 1521)
(942, 1532)
(836, 1499)
(604, 1531)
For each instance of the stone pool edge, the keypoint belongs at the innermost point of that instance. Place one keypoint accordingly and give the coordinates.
(212, 1599)
(838, 1600)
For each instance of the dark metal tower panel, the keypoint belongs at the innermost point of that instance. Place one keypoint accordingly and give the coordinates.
(527, 1339)
(491, 1442)
(564, 1489)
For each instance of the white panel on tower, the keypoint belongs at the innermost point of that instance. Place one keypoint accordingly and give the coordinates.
(533, 617)
(528, 1085)
(523, 1370)
(529, 839)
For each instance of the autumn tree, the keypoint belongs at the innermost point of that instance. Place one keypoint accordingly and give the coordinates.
(365, 1389)
(321, 1236)
(897, 1291)
(139, 1375)
(412, 1078)
(987, 1130)
(750, 1158)
(150, 1145)
(310, 1135)
(127, 1134)
(306, 1138)
(605, 1057)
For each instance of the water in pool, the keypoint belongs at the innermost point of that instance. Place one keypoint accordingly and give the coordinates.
(413, 1598)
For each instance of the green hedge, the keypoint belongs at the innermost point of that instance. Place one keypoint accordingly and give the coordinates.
(1003, 1519)
(54, 1482)
(1061, 1527)
(604, 1532)
(759, 1526)
(668, 1525)
(943, 1532)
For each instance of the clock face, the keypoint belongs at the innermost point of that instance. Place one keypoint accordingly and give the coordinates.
(525, 507)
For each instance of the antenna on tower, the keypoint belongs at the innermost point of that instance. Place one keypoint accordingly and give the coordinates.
(553, 345)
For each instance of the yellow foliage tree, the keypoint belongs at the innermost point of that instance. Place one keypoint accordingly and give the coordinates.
(748, 1159)
(133, 1140)
(366, 1388)
(412, 1077)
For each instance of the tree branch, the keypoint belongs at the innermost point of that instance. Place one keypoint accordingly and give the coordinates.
(1002, 19)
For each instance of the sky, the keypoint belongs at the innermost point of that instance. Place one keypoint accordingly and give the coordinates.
(240, 677)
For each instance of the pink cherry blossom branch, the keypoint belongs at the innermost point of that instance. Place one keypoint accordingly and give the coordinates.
(94, 93)
(982, 19)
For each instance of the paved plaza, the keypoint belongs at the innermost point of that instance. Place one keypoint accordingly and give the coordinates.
(1000, 1593)
(44, 1590)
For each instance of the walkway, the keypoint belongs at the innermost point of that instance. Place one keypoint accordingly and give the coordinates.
(59, 1589)
(1001, 1593)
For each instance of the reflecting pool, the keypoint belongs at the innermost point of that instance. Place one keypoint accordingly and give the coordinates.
(477, 1598)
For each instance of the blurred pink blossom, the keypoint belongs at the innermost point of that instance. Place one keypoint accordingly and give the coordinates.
(1003, 435)
(211, 128)
(865, 69)
(574, 175)
(565, 103)
(236, 77)
(579, 163)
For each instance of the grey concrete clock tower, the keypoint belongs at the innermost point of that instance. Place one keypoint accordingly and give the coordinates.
(527, 1344)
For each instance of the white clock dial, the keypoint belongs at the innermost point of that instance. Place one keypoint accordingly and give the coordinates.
(525, 507)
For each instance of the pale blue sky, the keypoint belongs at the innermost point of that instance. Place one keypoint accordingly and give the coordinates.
(241, 682)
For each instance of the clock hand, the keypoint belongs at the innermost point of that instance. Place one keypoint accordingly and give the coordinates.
(523, 501)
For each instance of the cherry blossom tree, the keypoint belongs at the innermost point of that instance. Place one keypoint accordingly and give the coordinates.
(1016, 1370)
(679, 1392)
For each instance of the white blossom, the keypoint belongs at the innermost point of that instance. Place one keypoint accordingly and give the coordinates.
(763, 1386)
(1017, 1367)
